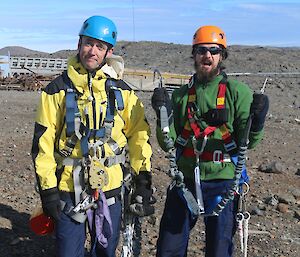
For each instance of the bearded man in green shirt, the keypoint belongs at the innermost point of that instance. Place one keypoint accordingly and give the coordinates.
(207, 118)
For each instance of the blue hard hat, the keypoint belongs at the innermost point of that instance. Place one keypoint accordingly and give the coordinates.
(100, 28)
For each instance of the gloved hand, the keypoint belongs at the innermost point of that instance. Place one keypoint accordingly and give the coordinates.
(142, 200)
(259, 108)
(161, 98)
(51, 203)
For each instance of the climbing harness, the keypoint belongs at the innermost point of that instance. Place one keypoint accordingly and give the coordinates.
(89, 173)
(174, 173)
(212, 120)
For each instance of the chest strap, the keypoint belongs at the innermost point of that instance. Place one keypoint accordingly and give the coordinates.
(76, 130)
(215, 156)
(192, 126)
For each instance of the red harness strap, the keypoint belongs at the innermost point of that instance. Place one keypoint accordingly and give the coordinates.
(191, 125)
(221, 96)
(207, 156)
(229, 143)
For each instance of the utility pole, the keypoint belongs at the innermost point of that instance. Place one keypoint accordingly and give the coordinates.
(133, 21)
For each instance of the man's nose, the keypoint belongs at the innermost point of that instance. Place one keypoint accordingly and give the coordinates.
(208, 54)
(93, 49)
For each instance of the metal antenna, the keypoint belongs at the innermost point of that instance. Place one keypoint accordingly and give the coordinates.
(133, 21)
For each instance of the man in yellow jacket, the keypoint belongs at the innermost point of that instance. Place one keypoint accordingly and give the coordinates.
(87, 121)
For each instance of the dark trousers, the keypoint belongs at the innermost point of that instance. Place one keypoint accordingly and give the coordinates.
(71, 235)
(176, 223)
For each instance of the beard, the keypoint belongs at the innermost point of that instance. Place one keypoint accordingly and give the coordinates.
(204, 76)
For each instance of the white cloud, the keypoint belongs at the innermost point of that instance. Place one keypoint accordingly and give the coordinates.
(254, 7)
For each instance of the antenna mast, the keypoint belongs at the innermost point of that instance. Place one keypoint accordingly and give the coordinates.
(133, 21)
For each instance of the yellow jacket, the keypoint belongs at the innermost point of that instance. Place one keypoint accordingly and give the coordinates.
(130, 127)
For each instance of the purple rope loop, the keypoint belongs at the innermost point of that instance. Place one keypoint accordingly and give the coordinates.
(103, 223)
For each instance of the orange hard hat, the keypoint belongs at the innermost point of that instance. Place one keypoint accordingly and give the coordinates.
(40, 224)
(209, 35)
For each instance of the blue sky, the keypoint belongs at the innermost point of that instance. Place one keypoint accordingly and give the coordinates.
(54, 25)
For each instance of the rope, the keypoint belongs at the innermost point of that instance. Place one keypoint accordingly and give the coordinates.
(178, 177)
(174, 173)
(132, 237)
(238, 170)
(131, 224)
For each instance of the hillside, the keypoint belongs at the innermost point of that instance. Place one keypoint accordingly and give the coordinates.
(176, 58)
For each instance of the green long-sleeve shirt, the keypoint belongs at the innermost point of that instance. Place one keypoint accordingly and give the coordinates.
(238, 99)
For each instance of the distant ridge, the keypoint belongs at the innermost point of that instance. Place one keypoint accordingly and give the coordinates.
(176, 58)
(22, 51)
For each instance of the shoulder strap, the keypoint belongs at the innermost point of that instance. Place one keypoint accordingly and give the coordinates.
(73, 121)
(114, 93)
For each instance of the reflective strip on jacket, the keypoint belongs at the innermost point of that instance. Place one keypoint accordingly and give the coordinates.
(130, 127)
(238, 99)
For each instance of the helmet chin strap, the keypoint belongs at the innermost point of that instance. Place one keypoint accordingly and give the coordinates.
(103, 61)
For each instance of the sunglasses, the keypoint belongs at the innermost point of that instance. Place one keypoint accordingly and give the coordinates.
(202, 50)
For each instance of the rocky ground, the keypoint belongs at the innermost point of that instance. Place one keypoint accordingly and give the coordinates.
(274, 167)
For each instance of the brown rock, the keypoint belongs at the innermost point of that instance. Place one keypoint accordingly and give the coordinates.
(282, 207)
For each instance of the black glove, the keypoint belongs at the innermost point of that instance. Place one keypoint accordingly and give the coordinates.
(51, 203)
(161, 98)
(259, 108)
(142, 200)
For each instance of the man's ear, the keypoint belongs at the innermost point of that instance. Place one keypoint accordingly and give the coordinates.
(110, 52)
(221, 57)
(224, 54)
(79, 44)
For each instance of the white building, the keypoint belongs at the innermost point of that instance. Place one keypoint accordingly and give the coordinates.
(40, 66)
(4, 66)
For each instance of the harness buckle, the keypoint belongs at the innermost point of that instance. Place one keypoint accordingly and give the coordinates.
(65, 152)
(217, 156)
(230, 146)
(194, 142)
(226, 157)
(181, 141)
(113, 160)
(84, 204)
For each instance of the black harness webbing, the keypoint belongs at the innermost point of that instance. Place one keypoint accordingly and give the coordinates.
(83, 132)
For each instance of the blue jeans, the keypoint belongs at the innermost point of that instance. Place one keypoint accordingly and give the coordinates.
(176, 223)
(71, 235)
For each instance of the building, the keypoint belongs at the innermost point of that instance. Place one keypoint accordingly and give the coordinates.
(39, 66)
